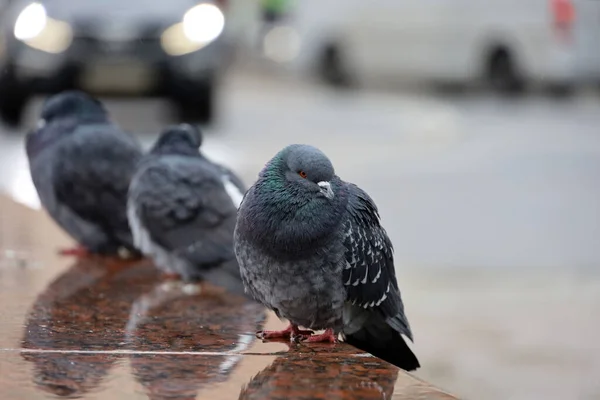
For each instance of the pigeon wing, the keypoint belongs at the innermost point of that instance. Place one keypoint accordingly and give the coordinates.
(188, 211)
(369, 275)
(91, 177)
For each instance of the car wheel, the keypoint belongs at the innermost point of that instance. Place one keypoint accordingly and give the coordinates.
(503, 76)
(13, 100)
(451, 88)
(560, 90)
(332, 67)
(196, 106)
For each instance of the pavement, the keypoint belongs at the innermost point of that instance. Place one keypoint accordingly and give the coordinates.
(493, 206)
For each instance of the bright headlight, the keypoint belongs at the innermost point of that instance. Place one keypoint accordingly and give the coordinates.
(37, 30)
(203, 23)
(30, 22)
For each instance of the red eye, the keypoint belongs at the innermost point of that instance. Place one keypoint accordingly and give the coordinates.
(302, 174)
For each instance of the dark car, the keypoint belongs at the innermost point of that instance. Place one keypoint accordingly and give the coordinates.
(174, 49)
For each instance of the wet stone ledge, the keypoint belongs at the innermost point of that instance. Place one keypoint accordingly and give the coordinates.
(116, 330)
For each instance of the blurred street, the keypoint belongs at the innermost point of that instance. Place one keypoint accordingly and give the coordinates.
(493, 207)
(456, 178)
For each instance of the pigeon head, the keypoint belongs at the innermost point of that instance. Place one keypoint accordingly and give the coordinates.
(297, 201)
(72, 104)
(303, 170)
(183, 139)
(60, 116)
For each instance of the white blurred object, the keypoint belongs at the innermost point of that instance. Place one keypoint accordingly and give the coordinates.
(37, 30)
(506, 43)
(281, 44)
(30, 22)
(17, 181)
(203, 23)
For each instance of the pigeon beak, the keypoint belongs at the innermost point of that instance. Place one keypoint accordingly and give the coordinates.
(326, 189)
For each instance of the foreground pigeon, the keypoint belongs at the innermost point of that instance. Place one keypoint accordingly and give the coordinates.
(81, 165)
(182, 210)
(311, 248)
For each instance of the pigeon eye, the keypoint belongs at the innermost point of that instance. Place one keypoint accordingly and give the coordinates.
(302, 174)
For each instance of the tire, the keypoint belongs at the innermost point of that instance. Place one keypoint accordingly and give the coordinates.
(451, 88)
(502, 74)
(13, 101)
(332, 67)
(560, 90)
(197, 105)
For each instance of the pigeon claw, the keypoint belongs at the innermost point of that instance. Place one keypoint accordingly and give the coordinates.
(326, 337)
(171, 276)
(299, 337)
(291, 332)
(77, 251)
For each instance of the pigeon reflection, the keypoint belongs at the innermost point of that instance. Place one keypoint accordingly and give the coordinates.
(180, 320)
(302, 375)
(84, 309)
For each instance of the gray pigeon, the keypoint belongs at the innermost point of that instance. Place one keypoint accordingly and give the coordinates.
(182, 210)
(311, 248)
(81, 165)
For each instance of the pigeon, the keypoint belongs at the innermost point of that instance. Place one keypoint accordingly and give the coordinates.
(311, 248)
(182, 210)
(81, 165)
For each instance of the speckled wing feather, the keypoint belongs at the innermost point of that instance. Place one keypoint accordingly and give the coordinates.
(185, 209)
(369, 275)
(91, 177)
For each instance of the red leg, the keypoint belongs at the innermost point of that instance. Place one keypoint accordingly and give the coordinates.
(288, 333)
(77, 251)
(327, 336)
(170, 276)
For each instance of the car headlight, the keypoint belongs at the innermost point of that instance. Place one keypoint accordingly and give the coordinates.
(37, 30)
(203, 23)
(200, 25)
(30, 22)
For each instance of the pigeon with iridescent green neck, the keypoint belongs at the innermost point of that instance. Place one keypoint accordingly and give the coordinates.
(311, 248)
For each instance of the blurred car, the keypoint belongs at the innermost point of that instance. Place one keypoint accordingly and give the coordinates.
(505, 43)
(176, 49)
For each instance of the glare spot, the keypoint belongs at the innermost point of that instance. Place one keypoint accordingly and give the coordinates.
(30, 22)
(282, 44)
(203, 23)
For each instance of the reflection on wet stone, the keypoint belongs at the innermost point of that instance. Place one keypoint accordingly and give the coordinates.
(166, 318)
(169, 319)
(303, 376)
(87, 307)
(98, 307)
(70, 375)
(180, 376)
(83, 309)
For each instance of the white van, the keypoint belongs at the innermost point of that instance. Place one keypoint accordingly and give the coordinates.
(506, 43)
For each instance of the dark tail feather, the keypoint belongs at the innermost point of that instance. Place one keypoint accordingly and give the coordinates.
(384, 342)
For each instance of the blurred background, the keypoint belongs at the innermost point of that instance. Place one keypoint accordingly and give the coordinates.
(474, 125)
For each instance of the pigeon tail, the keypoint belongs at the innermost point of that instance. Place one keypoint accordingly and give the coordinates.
(384, 342)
